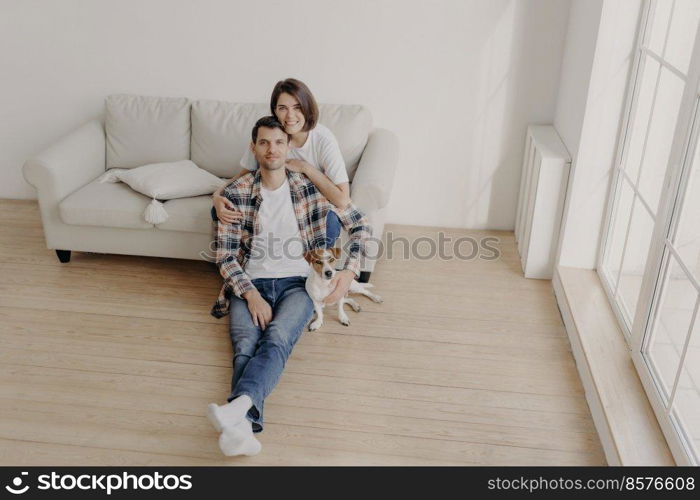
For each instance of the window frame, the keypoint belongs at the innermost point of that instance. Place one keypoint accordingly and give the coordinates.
(685, 141)
(631, 97)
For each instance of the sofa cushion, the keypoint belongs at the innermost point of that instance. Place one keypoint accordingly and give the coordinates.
(192, 215)
(141, 130)
(107, 205)
(351, 125)
(221, 132)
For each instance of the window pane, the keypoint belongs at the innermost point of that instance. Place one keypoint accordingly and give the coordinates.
(641, 117)
(621, 219)
(686, 240)
(681, 36)
(687, 401)
(661, 10)
(662, 128)
(672, 322)
(635, 258)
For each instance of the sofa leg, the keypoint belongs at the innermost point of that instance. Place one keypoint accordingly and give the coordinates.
(364, 276)
(63, 255)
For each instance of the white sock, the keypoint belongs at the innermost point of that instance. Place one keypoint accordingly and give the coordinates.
(239, 440)
(230, 414)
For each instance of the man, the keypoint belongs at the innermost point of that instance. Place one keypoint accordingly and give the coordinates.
(261, 259)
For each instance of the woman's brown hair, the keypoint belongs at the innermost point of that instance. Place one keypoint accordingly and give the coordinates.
(301, 93)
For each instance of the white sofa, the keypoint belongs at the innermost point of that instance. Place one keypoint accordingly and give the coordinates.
(78, 213)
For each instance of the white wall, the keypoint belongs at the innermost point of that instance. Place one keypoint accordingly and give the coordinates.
(577, 64)
(597, 64)
(457, 80)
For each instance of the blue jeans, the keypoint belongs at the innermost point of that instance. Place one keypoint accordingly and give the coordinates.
(332, 229)
(259, 356)
(332, 226)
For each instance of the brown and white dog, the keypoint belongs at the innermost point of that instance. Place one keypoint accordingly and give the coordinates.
(318, 286)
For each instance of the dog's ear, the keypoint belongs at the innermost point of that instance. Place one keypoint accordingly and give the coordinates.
(308, 256)
(335, 251)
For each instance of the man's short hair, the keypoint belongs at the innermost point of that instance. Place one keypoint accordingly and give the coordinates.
(301, 93)
(267, 122)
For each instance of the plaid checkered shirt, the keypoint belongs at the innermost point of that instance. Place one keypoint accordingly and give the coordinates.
(233, 241)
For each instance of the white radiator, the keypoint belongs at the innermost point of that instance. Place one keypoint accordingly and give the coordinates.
(542, 192)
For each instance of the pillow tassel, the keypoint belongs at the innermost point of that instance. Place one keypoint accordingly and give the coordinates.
(111, 175)
(155, 213)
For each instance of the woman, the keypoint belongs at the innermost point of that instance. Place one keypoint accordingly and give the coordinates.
(313, 151)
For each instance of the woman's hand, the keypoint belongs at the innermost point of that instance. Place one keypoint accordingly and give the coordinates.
(297, 165)
(225, 210)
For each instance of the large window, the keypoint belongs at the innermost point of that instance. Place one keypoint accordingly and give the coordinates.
(650, 255)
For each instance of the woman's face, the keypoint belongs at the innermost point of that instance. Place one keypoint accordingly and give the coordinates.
(288, 112)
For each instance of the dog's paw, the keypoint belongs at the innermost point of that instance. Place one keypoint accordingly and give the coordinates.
(377, 299)
(345, 321)
(356, 307)
(315, 325)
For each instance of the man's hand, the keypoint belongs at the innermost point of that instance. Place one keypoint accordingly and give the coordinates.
(260, 310)
(342, 281)
(299, 166)
(225, 210)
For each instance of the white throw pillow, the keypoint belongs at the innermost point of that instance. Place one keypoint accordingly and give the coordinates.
(165, 181)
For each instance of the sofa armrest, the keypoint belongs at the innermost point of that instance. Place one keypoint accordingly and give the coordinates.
(70, 163)
(374, 178)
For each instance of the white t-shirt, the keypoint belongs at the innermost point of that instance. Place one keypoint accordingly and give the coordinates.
(320, 150)
(277, 251)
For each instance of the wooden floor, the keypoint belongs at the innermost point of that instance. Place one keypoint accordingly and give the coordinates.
(112, 360)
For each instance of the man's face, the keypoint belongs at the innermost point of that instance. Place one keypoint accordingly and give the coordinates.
(270, 149)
